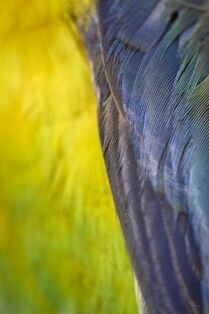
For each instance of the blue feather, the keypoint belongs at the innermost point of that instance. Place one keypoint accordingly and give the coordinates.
(154, 128)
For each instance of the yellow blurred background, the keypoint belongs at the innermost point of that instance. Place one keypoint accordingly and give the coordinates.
(61, 249)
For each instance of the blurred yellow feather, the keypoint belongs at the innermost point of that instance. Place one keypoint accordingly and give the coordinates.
(60, 250)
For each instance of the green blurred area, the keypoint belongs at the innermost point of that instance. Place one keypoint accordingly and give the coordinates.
(61, 249)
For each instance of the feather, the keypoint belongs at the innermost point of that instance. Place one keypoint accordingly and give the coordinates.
(153, 119)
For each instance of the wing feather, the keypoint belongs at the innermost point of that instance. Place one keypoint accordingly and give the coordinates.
(151, 70)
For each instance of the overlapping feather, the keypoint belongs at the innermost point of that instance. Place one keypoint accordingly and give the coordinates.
(155, 62)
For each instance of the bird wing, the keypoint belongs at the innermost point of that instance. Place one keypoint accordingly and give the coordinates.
(151, 74)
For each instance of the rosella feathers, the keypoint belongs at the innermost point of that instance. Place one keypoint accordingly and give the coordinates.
(152, 73)
(56, 253)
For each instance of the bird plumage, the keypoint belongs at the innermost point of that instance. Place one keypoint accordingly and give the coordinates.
(151, 69)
